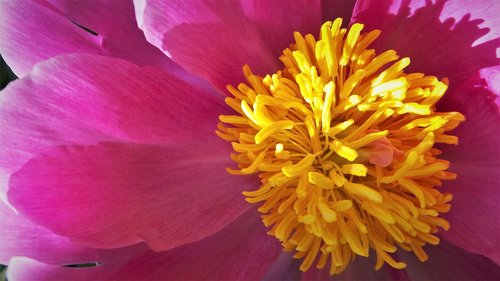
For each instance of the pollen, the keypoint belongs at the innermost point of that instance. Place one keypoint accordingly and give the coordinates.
(343, 142)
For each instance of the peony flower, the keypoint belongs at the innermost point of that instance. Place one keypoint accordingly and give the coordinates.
(120, 138)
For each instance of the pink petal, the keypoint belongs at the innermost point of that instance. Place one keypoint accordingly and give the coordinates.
(381, 152)
(36, 31)
(476, 160)
(21, 237)
(84, 99)
(117, 194)
(449, 263)
(241, 251)
(215, 39)
(438, 38)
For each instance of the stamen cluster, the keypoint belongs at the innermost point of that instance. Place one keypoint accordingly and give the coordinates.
(343, 141)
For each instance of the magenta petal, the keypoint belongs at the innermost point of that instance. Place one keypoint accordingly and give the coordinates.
(439, 39)
(21, 237)
(116, 24)
(32, 33)
(476, 160)
(277, 20)
(85, 99)
(210, 39)
(35, 31)
(114, 194)
(241, 251)
(450, 263)
(215, 39)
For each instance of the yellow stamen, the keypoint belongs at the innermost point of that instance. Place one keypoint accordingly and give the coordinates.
(357, 189)
(300, 167)
(333, 131)
(310, 132)
(320, 180)
(343, 150)
(355, 169)
(272, 129)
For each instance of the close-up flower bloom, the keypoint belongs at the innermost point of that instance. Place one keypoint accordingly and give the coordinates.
(250, 140)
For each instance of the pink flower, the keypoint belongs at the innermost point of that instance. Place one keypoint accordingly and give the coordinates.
(109, 154)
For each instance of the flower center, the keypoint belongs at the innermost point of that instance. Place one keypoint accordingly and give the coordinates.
(343, 141)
